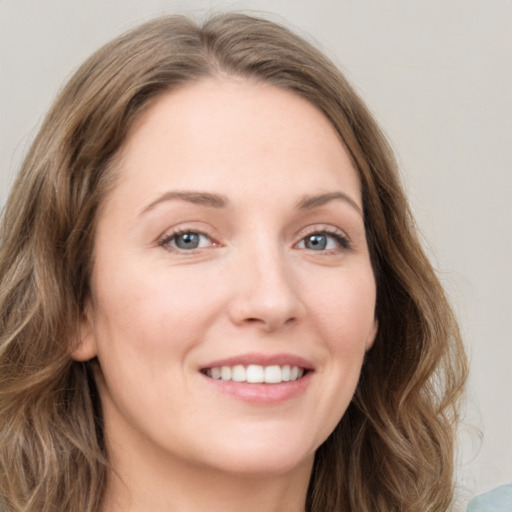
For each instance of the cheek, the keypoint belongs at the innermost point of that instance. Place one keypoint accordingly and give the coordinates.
(145, 329)
(342, 312)
(153, 310)
(344, 309)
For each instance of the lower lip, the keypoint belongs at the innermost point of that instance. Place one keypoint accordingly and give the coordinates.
(262, 393)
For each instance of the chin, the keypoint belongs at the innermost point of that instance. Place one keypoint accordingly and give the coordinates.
(265, 457)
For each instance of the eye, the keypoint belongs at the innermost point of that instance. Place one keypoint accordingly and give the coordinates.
(187, 241)
(322, 241)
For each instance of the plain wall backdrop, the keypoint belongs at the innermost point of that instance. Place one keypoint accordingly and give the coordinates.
(437, 75)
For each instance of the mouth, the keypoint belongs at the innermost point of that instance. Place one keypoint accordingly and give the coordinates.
(256, 374)
(260, 379)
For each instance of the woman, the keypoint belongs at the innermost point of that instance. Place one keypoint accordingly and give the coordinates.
(212, 294)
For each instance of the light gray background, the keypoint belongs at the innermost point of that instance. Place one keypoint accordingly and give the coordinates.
(438, 76)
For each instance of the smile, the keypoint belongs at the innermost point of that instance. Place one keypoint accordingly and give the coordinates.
(255, 373)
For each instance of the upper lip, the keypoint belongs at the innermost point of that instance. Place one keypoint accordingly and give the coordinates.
(262, 360)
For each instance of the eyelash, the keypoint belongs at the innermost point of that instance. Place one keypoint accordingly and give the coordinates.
(166, 240)
(340, 238)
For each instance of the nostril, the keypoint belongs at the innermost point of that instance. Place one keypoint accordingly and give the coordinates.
(265, 309)
(271, 323)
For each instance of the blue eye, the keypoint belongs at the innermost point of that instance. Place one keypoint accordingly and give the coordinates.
(323, 241)
(187, 241)
(316, 242)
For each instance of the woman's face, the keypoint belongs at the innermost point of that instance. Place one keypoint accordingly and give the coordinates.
(232, 250)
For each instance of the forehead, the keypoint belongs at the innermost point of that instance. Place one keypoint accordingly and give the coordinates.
(213, 132)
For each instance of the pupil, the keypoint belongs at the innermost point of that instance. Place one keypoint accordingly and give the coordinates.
(188, 241)
(317, 242)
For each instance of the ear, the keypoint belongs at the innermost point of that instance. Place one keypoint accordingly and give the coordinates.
(84, 347)
(372, 335)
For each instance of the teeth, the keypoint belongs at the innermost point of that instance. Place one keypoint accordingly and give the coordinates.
(255, 373)
(225, 373)
(238, 373)
(273, 375)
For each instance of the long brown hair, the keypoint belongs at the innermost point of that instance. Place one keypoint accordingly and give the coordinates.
(392, 450)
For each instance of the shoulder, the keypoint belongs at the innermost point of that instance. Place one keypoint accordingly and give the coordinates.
(497, 500)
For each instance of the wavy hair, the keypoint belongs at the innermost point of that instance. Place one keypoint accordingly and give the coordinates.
(392, 450)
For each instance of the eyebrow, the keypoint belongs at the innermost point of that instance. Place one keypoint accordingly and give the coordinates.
(218, 201)
(309, 202)
(200, 198)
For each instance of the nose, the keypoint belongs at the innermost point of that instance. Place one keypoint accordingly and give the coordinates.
(266, 292)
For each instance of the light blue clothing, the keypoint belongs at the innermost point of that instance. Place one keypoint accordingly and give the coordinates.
(497, 500)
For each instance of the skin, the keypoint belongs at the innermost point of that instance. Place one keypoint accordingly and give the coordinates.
(256, 286)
